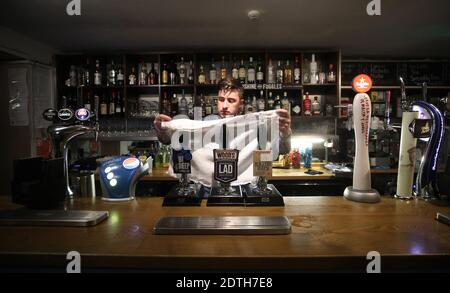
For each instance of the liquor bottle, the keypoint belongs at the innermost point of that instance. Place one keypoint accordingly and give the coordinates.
(132, 76)
(97, 74)
(73, 76)
(191, 73)
(285, 102)
(251, 74)
(259, 73)
(297, 74)
(235, 71)
(254, 104)
(287, 73)
(119, 107)
(270, 102)
(87, 101)
(143, 74)
(315, 107)
(183, 107)
(165, 74)
(261, 102)
(182, 72)
(313, 70)
(213, 73)
(270, 72)
(279, 73)
(307, 105)
(166, 105)
(87, 74)
(103, 107)
(223, 69)
(208, 106)
(152, 76)
(331, 75)
(296, 108)
(120, 76)
(277, 102)
(203, 105)
(198, 111)
(242, 72)
(112, 105)
(201, 76)
(174, 105)
(248, 106)
(111, 81)
(214, 109)
(173, 73)
(306, 77)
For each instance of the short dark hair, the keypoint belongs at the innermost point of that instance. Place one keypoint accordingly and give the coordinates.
(231, 84)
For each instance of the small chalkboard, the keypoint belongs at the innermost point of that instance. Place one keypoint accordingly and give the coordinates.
(386, 73)
(433, 73)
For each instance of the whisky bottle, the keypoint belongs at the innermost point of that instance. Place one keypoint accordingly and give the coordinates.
(183, 106)
(97, 74)
(191, 73)
(331, 75)
(242, 72)
(174, 105)
(111, 81)
(296, 108)
(270, 72)
(182, 72)
(165, 74)
(112, 105)
(173, 73)
(297, 73)
(277, 102)
(103, 107)
(259, 73)
(201, 76)
(235, 71)
(166, 105)
(87, 74)
(119, 106)
(287, 73)
(153, 76)
(213, 73)
(315, 107)
(143, 74)
(270, 102)
(120, 77)
(251, 74)
(132, 76)
(223, 69)
(285, 102)
(261, 102)
(279, 73)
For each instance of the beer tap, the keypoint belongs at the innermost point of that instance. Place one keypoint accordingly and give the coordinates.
(65, 130)
(406, 162)
(433, 128)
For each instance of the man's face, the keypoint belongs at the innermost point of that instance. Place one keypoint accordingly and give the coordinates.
(229, 103)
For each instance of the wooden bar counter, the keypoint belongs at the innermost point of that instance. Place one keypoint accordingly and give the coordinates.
(328, 233)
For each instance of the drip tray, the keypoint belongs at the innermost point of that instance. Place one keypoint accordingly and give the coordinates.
(234, 225)
(25, 217)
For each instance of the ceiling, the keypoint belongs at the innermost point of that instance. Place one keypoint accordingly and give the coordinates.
(413, 28)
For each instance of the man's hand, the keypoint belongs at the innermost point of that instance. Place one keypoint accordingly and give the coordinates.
(285, 122)
(160, 118)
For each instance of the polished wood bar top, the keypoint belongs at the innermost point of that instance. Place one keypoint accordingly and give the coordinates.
(161, 174)
(328, 233)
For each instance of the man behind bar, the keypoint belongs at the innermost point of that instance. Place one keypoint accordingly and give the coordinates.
(230, 103)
